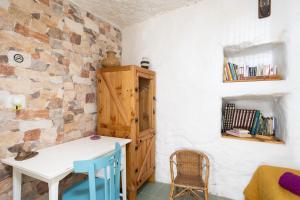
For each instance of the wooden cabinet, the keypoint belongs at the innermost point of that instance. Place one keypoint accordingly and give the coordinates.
(126, 109)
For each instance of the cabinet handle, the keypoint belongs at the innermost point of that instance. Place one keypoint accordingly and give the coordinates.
(136, 120)
(136, 89)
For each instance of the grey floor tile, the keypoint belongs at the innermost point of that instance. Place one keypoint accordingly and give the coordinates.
(142, 196)
(160, 191)
(151, 188)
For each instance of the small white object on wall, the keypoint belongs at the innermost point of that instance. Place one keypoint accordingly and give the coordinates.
(19, 59)
(8, 100)
(16, 102)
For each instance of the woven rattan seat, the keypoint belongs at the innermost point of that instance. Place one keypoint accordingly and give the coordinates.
(190, 174)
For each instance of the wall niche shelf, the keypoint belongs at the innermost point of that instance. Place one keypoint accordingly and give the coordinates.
(257, 138)
(256, 78)
(254, 62)
(262, 116)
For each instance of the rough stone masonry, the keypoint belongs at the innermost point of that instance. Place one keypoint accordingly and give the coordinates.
(61, 46)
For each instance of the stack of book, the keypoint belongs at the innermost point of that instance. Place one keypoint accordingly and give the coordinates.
(236, 72)
(245, 119)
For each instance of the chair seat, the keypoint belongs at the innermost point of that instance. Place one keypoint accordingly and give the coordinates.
(80, 191)
(191, 181)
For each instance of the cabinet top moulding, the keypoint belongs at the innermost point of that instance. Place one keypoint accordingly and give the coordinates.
(127, 67)
(256, 78)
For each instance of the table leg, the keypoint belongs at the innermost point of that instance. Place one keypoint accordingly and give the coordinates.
(17, 184)
(53, 190)
(123, 174)
(124, 193)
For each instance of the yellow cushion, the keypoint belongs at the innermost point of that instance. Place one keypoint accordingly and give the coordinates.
(264, 185)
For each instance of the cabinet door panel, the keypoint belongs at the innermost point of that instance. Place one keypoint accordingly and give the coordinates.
(145, 159)
(145, 104)
(115, 103)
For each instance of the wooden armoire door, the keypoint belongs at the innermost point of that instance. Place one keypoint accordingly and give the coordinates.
(116, 90)
(145, 144)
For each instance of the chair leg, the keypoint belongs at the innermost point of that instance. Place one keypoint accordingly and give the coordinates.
(205, 194)
(172, 186)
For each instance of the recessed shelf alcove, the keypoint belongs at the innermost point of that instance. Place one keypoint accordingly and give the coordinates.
(259, 56)
(270, 106)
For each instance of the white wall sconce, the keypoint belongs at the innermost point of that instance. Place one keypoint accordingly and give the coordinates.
(17, 102)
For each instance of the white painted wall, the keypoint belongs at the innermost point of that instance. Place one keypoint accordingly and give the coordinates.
(186, 49)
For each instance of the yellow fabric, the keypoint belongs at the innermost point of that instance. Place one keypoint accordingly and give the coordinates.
(264, 185)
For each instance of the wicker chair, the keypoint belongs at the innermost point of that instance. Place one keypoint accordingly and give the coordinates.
(190, 166)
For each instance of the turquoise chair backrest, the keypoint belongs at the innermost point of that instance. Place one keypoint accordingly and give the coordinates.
(110, 164)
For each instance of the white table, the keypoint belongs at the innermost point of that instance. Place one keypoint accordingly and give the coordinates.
(54, 163)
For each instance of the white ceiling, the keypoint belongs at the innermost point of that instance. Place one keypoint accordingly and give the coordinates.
(126, 12)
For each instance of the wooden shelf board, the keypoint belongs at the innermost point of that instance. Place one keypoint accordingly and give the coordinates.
(257, 138)
(256, 78)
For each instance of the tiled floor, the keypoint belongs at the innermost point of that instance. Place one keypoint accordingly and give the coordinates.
(160, 191)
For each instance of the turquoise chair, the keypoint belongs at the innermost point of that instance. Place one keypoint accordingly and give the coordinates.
(106, 188)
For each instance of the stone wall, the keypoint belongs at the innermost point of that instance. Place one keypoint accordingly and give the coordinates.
(61, 46)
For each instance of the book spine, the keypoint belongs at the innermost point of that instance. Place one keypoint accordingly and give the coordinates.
(228, 72)
(255, 122)
(232, 70)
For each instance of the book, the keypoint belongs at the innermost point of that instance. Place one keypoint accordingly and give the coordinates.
(228, 116)
(238, 134)
(233, 72)
(241, 131)
(228, 72)
(255, 126)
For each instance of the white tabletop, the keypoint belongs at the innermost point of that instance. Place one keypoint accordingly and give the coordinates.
(57, 160)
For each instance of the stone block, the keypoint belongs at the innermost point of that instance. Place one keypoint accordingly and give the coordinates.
(57, 70)
(32, 135)
(16, 86)
(35, 124)
(5, 185)
(56, 44)
(80, 80)
(74, 13)
(90, 98)
(33, 114)
(68, 118)
(36, 16)
(38, 26)
(55, 103)
(68, 86)
(39, 65)
(73, 26)
(90, 24)
(69, 95)
(48, 136)
(10, 138)
(29, 33)
(56, 79)
(55, 33)
(63, 60)
(10, 125)
(46, 2)
(3, 59)
(72, 135)
(75, 38)
(6, 70)
(4, 4)
(85, 73)
(90, 108)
